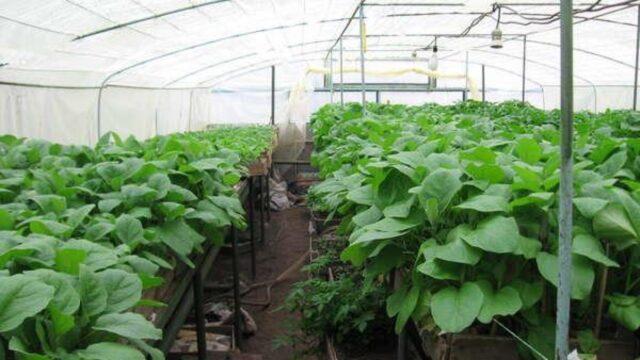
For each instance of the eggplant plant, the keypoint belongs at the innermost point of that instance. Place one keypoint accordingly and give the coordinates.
(85, 231)
(463, 201)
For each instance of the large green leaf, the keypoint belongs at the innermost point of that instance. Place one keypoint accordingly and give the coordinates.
(455, 309)
(180, 237)
(528, 247)
(393, 225)
(530, 293)
(6, 220)
(93, 294)
(75, 217)
(99, 230)
(128, 325)
(62, 323)
(367, 217)
(21, 297)
(486, 172)
(97, 256)
(497, 234)
(588, 206)
(407, 306)
(590, 247)
(366, 235)
(625, 310)
(69, 260)
(612, 223)
(49, 227)
(582, 273)
(128, 229)
(613, 164)
(124, 289)
(456, 250)
(485, 203)
(50, 203)
(362, 195)
(110, 351)
(207, 164)
(65, 298)
(527, 179)
(161, 183)
(18, 346)
(528, 150)
(442, 185)
(20, 251)
(441, 270)
(503, 302)
(400, 209)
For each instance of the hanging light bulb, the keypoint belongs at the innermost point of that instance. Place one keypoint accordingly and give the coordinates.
(433, 61)
(496, 38)
(496, 34)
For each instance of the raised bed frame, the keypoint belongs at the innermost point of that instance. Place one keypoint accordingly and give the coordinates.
(190, 294)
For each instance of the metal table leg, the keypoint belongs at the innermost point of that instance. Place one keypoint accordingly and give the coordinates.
(198, 296)
(252, 236)
(237, 318)
(261, 208)
(268, 196)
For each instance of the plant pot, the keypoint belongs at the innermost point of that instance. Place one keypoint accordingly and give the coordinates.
(262, 165)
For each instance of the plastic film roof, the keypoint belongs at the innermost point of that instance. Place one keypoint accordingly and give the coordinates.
(198, 43)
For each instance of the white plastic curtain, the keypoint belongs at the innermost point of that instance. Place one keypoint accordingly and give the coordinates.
(176, 65)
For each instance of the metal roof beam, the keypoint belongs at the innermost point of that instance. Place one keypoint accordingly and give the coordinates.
(148, 18)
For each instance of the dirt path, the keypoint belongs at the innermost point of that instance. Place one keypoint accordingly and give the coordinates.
(286, 242)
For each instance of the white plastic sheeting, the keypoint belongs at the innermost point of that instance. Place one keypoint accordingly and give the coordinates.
(177, 65)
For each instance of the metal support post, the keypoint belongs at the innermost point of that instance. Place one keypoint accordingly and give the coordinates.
(237, 313)
(524, 66)
(362, 43)
(341, 75)
(565, 219)
(484, 93)
(273, 94)
(268, 194)
(378, 97)
(252, 233)
(635, 74)
(198, 303)
(466, 76)
(261, 190)
(331, 73)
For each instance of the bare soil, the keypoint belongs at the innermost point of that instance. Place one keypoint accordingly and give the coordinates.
(286, 241)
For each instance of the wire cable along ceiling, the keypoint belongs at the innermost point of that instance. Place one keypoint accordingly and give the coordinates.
(197, 44)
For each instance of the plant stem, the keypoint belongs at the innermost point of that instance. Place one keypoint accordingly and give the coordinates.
(602, 287)
(628, 284)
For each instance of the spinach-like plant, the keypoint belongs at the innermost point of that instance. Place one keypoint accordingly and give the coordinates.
(84, 232)
(462, 200)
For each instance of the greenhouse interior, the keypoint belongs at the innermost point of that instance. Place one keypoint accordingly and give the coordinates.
(319, 179)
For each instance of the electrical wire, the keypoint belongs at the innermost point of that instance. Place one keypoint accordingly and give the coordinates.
(529, 346)
(548, 19)
(542, 19)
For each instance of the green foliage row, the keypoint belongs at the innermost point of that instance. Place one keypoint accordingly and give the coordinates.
(84, 231)
(348, 309)
(463, 199)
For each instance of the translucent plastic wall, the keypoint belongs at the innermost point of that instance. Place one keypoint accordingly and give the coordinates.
(73, 70)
